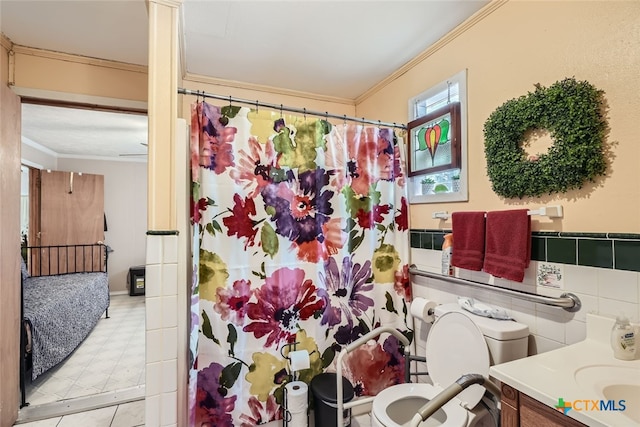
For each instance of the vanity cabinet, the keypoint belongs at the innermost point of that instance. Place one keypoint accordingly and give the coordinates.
(520, 410)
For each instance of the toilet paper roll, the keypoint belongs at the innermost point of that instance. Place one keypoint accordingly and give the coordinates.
(299, 360)
(298, 420)
(296, 404)
(423, 309)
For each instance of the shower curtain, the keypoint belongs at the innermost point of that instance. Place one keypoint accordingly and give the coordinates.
(300, 236)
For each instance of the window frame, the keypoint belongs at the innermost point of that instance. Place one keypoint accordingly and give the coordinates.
(414, 182)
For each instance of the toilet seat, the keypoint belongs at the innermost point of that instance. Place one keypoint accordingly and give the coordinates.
(455, 347)
(456, 415)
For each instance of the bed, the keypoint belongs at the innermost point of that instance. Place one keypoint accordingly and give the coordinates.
(65, 292)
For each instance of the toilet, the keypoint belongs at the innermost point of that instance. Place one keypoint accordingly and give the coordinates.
(458, 343)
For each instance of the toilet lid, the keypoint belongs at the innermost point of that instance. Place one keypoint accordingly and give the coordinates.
(455, 347)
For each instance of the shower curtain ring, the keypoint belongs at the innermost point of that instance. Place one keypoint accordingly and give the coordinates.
(304, 114)
(229, 100)
(280, 110)
(256, 105)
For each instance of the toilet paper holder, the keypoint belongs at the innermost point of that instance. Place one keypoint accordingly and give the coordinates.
(292, 347)
(289, 344)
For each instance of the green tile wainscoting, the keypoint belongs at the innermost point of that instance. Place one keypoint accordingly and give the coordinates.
(620, 251)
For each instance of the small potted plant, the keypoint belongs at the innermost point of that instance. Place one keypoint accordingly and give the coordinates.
(455, 182)
(427, 185)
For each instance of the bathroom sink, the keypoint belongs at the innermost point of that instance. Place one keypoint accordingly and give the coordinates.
(615, 383)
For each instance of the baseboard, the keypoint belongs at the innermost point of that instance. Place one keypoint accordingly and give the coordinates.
(80, 404)
(119, 293)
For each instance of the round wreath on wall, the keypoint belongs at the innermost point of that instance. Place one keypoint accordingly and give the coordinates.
(572, 112)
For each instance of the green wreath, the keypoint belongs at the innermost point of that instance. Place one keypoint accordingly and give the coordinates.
(572, 112)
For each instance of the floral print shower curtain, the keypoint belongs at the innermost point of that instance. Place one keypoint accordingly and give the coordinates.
(300, 236)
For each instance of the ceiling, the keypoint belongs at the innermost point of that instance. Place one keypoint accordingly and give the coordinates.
(324, 47)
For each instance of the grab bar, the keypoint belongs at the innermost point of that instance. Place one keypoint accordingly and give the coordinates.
(567, 300)
(450, 392)
(348, 349)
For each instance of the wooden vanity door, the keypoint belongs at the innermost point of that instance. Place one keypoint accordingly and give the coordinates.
(71, 212)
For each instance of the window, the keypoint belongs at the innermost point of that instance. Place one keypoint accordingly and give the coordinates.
(430, 112)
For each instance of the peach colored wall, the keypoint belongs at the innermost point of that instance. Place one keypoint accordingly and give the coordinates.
(51, 71)
(506, 52)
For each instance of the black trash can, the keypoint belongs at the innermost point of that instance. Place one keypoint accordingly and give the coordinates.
(325, 400)
(136, 280)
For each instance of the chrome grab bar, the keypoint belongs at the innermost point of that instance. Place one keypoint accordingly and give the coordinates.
(567, 300)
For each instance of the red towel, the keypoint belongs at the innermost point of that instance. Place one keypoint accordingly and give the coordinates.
(508, 246)
(468, 240)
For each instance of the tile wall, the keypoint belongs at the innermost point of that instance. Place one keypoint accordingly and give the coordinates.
(161, 289)
(603, 270)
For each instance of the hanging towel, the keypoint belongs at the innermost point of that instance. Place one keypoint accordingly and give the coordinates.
(508, 244)
(468, 240)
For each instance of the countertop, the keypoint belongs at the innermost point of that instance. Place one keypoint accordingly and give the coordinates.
(550, 376)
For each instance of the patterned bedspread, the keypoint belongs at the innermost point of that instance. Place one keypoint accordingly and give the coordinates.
(62, 310)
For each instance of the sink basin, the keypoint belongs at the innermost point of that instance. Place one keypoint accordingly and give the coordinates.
(615, 383)
(630, 393)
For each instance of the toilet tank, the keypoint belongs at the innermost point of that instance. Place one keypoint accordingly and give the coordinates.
(507, 340)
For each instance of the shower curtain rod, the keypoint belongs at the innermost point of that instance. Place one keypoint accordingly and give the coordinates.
(281, 107)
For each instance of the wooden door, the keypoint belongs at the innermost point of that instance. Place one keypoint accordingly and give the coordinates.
(9, 255)
(71, 212)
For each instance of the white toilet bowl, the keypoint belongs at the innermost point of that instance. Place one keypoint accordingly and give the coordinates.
(455, 346)
(395, 406)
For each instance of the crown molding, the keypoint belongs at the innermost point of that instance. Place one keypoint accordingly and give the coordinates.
(31, 143)
(41, 148)
(448, 38)
(200, 79)
(87, 60)
(5, 42)
(128, 159)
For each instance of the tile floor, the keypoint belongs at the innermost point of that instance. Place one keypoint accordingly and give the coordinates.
(111, 358)
(126, 415)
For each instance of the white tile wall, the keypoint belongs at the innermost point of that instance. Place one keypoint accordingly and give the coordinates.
(168, 412)
(161, 326)
(603, 291)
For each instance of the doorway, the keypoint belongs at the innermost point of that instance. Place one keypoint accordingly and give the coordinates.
(78, 139)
